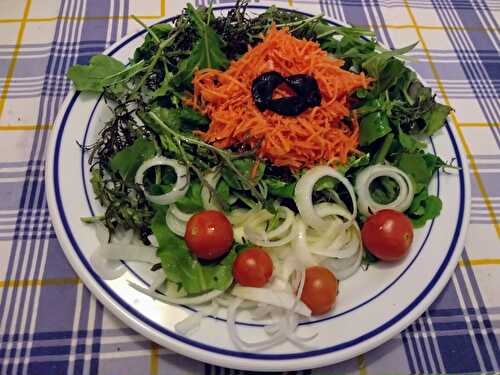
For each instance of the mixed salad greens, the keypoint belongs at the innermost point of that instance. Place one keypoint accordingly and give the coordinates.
(151, 119)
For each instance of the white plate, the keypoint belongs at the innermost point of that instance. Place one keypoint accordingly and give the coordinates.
(372, 306)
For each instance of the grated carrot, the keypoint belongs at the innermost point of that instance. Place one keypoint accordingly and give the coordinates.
(317, 136)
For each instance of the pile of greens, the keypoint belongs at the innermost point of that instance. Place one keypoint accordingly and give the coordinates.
(146, 95)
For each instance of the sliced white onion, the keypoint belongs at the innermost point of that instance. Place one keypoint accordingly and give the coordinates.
(367, 205)
(299, 245)
(105, 268)
(343, 268)
(152, 239)
(175, 224)
(137, 253)
(272, 341)
(198, 300)
(304, 190)
(181, 184)
(158, 281)
(289, 217)
(193, 320)
(260, 237)
(272, 297)
(209, 201)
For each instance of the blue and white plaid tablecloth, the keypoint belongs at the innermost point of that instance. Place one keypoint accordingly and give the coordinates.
(49, 322)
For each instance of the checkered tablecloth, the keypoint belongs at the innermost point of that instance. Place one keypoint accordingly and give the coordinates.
(49, 322)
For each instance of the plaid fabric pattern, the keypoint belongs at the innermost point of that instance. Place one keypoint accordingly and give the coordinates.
(51, 324)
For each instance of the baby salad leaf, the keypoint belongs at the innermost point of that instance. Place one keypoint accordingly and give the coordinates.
(150, 45)
(376, 64)
(91, 77)
(372, 127)
(127, 161)
(182, 267)
(435, 118)
(206, 53)
(191, 202)
(424, 207)
(415, 166)
(280, 188)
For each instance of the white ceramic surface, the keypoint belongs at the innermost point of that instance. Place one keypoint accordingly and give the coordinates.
(373, 305)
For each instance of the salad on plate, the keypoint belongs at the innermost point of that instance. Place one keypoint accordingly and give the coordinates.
(256, 161)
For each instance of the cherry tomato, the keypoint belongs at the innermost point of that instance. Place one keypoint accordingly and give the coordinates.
(209, 234)
(253, 267)
(388, 234)
(320, 290)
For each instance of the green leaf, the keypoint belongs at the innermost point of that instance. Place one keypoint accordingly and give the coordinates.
(185, 119)
(281, 189)
(415, 166)
(192, 120)
(408, 142)
(245, 166)
(372, 127)
(191, 202)
(325, 183)
(222, 190)
(390, 75)
(92, 77)
(127, 161)
(206, 53)
(376, 64)
(435, 118)
(424, 207)
(149, 46)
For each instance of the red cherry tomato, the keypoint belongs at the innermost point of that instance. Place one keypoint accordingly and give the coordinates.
(253, 267)
(320, 290)
(388, 235)
(209, 234)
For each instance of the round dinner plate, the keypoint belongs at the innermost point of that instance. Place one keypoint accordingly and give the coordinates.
(373, 305)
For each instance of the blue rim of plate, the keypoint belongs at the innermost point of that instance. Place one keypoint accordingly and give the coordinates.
(312, 353)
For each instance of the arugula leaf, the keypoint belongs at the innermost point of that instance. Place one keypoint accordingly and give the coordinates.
(245, 167)
(192, 120)
(435, 118)
(149, 46)
(415, 166)
(372, 127)
(222, 190)
(378, 61)
(390, 75)
(191, 202)
(280, 188)
(185, 119)
(127, 161)
(424, 207)
(182, 267)
(408, 142)
(206, 52)
(91, 78)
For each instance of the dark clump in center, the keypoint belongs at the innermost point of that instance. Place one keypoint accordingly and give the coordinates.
(305, 87)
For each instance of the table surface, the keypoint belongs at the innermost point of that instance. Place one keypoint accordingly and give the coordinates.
(51, 324)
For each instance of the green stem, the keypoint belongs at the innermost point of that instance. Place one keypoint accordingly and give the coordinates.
(156, 57)
(302, 22)
(382, 152)
(131, 67)
(151, 32)
(92, 219)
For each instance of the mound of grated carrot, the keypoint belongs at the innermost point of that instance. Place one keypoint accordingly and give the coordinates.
(319, 135)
